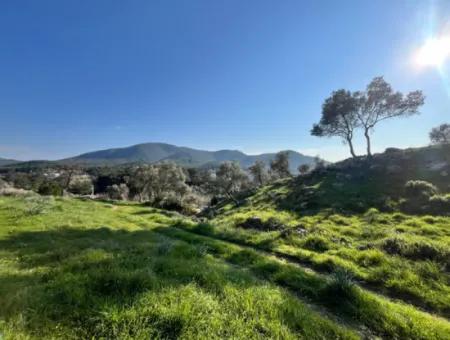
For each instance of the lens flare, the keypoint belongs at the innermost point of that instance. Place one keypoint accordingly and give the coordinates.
(435, 52)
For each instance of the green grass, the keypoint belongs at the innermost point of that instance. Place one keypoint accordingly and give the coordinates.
(406, 257)
(82, 269)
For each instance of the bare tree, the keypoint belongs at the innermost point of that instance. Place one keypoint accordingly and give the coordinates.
(339, 118)
(440, 134)
(379, 102)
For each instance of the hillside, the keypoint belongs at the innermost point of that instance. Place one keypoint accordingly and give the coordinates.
(157, 152)
(4, 161)
(76, 268)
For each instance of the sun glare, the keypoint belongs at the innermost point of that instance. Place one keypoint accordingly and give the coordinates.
(435, 52)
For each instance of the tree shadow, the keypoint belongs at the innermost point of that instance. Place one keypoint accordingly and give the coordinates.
(68, 276)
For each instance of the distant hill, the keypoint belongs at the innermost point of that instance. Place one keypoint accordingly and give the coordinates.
(4, 161)
(158, 152)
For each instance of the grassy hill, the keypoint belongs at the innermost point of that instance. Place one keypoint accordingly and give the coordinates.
(83, 269)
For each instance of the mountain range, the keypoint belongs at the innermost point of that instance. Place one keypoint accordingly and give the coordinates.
(159, 152)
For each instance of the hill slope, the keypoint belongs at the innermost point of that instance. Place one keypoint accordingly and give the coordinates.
(4, 161)
(156, 152)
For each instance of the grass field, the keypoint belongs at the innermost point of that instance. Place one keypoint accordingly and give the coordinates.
(82, 269)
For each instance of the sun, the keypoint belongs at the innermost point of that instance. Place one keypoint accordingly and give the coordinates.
(435, 52)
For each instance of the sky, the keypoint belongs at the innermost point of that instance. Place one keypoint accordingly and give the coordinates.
(78, 76)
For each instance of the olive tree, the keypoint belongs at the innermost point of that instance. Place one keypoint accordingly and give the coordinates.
(231, 179)
(279, 166)
(380, 102)
(259, 173)
(440, 134)
(339, 118)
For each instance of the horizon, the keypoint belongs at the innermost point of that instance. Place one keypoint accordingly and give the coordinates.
(212, 76)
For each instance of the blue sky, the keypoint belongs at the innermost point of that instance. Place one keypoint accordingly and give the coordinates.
(77, 76)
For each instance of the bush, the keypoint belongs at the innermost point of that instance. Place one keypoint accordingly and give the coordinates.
(415, 250)
(36, 205)
(439, 204)
(418, 195)
(419, 190)
(49, 188)
(81, 187)
(118, 192)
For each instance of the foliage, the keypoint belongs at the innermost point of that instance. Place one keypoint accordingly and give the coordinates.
(379, 102)
(344, 112)
(338, 118)
(304, 169)
(279, 167)
(118, 192)
(259, 173)
(231, 179)
(440, 134)
(50, 188)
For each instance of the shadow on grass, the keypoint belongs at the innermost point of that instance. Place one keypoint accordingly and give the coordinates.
(71, 275)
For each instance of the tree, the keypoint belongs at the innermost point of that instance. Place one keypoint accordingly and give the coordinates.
(279, 166)
(118, 192)
(339, 118)
(259, 173)
(158, 183)
(440, 134)
(379, 102)
(231, 179)
(303, 169)
(141, 180)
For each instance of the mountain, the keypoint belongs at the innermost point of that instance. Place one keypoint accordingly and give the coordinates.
(158, 152)
(4, 161)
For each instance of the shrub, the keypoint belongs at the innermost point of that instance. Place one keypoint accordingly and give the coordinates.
(419, 196)
(118, 192)
(316, 243)
(50, 188)
(81, 187)
(35, 205)
(419, 190)
(415, 250)
(341, 286)
(439, 204)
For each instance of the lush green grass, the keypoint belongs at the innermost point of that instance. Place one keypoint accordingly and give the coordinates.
(74, 269)
(407, 257)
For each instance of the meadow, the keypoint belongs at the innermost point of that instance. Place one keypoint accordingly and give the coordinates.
(72, 268)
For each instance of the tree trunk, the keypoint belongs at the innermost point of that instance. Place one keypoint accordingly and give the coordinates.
(366, 134)
(352, 150)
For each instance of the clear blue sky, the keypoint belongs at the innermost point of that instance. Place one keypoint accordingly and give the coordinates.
(77, 76)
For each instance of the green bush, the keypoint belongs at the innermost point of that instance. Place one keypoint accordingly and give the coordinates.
(419, 190)
(422, 197)
(50, 188)
(439, 204)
